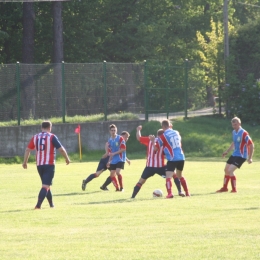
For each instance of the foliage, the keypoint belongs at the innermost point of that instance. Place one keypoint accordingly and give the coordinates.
(242, 91)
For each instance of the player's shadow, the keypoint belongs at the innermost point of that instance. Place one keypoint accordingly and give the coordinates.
(74, 193)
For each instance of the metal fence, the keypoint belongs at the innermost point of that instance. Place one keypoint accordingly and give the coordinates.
(35, 91)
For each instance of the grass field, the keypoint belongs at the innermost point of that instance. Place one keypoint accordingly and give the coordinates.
(109, 225)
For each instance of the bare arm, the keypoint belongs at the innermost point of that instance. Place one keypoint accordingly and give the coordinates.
(107, 150)
(26, 157)
(251, 152)
(128, 161)
(64, 154)
(138, 132)
(152, 139)
(231, 147)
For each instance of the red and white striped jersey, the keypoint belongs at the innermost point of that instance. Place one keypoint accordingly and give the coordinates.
(45, 145)
(154, 158)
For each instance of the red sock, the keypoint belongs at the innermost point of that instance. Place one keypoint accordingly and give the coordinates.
(120, 180)
(114, 181)
(169, 185)
(226, 180)
(234, 183)
(184, 185)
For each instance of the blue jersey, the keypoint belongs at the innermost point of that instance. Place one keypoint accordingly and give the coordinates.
(170, 140)
(115, 144)
(241, 140)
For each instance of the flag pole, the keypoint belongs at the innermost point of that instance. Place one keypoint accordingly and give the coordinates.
(80, 155)
(77, 131)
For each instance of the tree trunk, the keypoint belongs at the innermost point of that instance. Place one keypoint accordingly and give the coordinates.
(57, 53)
(27, 71)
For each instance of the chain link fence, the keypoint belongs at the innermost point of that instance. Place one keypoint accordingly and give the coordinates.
(42, 91)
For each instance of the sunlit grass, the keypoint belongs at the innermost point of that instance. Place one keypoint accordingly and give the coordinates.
(109, 225)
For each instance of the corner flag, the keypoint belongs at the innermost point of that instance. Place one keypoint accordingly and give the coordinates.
(77, 131)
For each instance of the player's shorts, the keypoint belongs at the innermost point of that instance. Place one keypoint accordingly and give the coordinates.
(172, 165)
(119, 165)
(46, 173)
(150, 171)
(102, 164)
(236, 160)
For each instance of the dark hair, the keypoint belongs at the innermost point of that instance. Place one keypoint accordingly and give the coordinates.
(125, 133)
(46, 124)
(112, 126)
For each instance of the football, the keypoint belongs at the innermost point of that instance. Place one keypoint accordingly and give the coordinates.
(157, 193)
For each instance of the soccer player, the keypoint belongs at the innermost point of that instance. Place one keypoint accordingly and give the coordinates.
(117, 145)
(45, 144)
(155, 162)
(102, 166)
(243, 147)
(170, 140)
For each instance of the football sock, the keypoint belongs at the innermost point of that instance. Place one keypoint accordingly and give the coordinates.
(137, 187)
(226, 180)
(41, 197)
(114, 181)
(120, 180)
(233, 183)
(107, 182)
(177, 183)
(169, 186)
(49, 198)
(91, 177)
(184, 184)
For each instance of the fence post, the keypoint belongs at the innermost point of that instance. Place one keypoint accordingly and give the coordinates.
(63, 92)
(145, 92)
(186, 66)
(105, 88)
(18, 93)
(167, 89)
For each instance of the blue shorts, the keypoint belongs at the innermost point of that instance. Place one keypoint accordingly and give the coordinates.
(102, 164)
(150, 171)
(46, 173)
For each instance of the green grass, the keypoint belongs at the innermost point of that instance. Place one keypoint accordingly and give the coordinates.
(74, 119)
(109, 225)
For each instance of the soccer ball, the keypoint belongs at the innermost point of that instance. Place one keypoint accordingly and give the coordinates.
(157, 193)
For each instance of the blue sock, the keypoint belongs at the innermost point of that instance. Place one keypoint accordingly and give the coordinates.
(91, 177)
(41, 197)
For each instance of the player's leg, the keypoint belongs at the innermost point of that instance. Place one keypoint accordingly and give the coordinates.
(102, 166)
(169, 174)
(224, 188)
(113, 176)
(119, 167)
(147, 173)
(46, 173)
(178, 184)
(179, 170)
(226, 175)
(106, 183)
(49, 198)
(237, 163)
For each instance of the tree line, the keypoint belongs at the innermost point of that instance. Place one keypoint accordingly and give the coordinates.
(136, 30)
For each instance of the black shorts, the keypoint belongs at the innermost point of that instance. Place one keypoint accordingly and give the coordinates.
(119, 165)
(236, 160)
(172, 165)
(150, 171)
(46, 173)
(102, 164)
